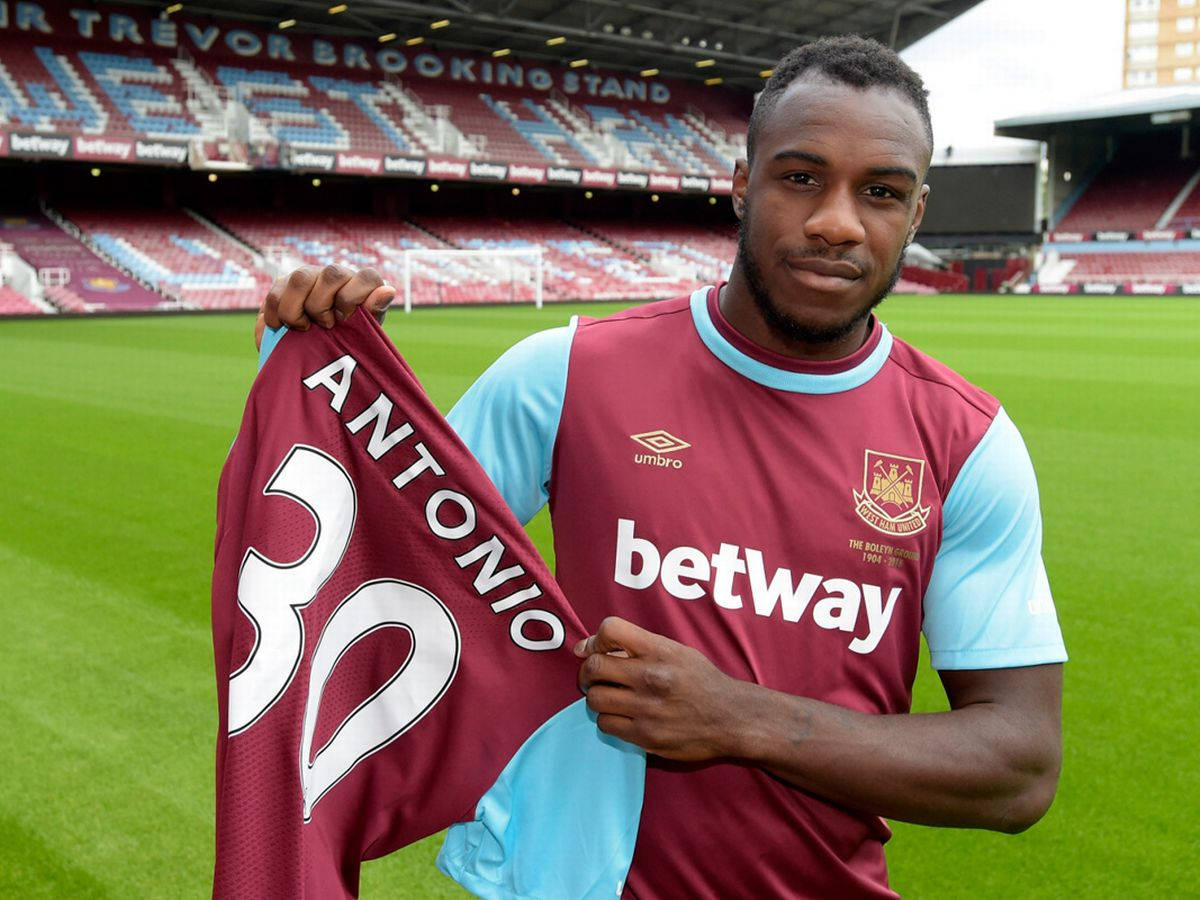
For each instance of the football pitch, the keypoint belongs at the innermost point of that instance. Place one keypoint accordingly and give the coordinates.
(114, 431)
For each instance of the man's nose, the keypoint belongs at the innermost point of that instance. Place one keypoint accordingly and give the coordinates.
(834, 219)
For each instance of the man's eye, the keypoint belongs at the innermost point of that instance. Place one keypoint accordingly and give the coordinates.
(881, 191)
(801, 178)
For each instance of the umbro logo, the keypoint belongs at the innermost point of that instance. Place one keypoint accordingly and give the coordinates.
(659, 442)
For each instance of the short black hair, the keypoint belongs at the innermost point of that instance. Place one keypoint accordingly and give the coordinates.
(848, 59)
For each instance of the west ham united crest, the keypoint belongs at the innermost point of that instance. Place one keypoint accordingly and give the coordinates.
(890, 500)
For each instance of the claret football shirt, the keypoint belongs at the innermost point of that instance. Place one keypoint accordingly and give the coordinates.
(392, 655)
(801, 524)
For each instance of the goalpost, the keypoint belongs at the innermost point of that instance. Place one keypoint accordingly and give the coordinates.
(515, 273)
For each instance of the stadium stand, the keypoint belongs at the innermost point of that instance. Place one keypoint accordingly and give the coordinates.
(112, 99)
(1130, 192)
(1155, 267)
(106, 96)
(67, 103)
(351, 241)
(183, 259)
(226, 261)
(694, 253)
(578, 265)
(538, 129)
(1126, 229)
(75, 278)
(359, 241)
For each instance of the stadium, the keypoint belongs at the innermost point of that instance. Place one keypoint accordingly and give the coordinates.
(506, 166)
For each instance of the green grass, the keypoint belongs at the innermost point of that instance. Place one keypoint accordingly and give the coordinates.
(114, 431)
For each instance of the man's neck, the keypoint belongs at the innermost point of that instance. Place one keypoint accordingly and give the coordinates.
(740, 310)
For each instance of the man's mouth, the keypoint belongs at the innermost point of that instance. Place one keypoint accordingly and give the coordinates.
(821, 274)
(833, 268)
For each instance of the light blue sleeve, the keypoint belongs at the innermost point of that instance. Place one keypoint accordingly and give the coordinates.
(988, 605)
(509, 417)
(561, 820)
(271, 337)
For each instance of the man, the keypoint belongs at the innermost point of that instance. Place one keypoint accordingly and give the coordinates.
(762, 498)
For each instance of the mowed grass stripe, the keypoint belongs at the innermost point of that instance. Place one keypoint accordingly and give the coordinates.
(115, 432)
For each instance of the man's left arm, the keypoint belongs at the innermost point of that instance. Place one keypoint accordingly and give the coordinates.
(991, 761)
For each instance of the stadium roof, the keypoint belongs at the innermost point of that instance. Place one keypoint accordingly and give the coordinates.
(741, 38)
(1137, 110)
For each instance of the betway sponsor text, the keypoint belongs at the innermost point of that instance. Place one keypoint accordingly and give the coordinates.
(690, 573)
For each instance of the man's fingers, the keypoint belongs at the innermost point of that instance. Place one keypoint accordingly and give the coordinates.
(355, 292)
(605, 668)
(380, 299)
(612, 700)
(290, 309)
(618, 726)
(318, 305)
(322, 295)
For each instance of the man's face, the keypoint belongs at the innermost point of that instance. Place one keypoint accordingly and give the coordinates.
(832, 199)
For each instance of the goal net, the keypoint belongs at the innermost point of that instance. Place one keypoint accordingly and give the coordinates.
(498, 275)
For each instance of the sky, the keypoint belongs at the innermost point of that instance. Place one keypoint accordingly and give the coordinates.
(1011, 57)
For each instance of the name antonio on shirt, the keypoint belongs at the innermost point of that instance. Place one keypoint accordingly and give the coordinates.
(450, 515)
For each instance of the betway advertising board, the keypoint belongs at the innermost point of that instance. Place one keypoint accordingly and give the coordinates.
(1113, 288)
(88, 148)
(447, 168)
(26, 144)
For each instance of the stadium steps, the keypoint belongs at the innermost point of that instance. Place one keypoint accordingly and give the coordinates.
(576, 120)
(204, 104)
(693, 118)
(418, 122)
(728, 150)
(77, 82)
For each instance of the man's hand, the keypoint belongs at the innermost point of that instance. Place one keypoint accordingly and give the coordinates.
(325, 296)
(657, 693)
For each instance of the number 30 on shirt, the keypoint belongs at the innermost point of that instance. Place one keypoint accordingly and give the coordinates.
(272, 594)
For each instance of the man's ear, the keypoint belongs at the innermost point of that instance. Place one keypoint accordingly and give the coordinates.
(741, 178)
(919, 214)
